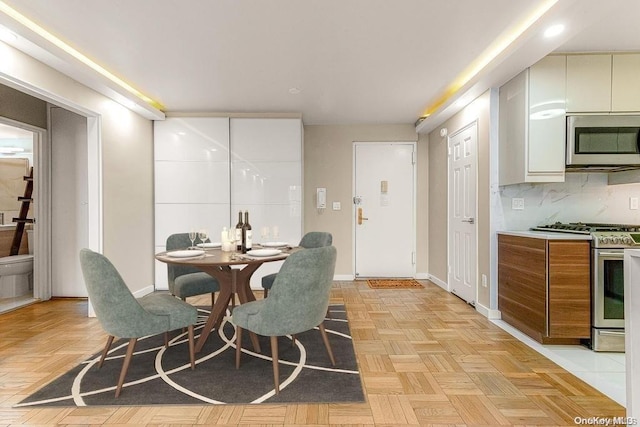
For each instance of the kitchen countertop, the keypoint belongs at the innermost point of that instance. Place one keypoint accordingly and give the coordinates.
(547, 235)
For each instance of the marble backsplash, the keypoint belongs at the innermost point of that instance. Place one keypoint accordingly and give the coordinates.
(583, 197)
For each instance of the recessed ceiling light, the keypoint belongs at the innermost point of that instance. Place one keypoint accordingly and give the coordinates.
(554, 30)
(294, 91)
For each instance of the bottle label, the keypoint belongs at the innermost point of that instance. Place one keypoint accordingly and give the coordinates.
(238, 235)
(249, 242)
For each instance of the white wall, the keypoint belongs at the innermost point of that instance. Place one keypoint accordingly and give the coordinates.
(583, 197)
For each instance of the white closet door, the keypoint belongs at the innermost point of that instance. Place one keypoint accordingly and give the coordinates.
(266, 179)
(191, 179)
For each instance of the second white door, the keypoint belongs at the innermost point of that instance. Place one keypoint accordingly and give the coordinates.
(462, 213)
(384, 209)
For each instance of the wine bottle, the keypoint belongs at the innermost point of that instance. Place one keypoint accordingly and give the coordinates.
(239, 238)
(247, 234)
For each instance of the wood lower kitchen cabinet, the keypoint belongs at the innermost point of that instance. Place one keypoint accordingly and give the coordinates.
(544, 287)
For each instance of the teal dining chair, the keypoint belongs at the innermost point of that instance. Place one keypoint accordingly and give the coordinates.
(185, 281)
(122, 315)
(313, 239)
(298, 303)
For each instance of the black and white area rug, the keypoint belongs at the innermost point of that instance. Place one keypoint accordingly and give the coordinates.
(162, 376)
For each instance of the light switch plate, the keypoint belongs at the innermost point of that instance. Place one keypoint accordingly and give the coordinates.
(336, 206)
(517, 203)
(633, 203)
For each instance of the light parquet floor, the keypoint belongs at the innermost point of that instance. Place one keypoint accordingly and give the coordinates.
(426, 358)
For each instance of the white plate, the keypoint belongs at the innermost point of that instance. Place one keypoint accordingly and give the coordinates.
(185, 253)
(209, 245)
(275, 244)
(264, 252)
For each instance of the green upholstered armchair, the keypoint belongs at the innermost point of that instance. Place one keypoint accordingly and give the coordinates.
(313, 239)
(298, 302)
(187, 281)
(122, 315)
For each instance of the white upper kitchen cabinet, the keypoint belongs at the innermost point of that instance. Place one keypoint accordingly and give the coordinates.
(625, 85)
(589, 83)
(532, 124)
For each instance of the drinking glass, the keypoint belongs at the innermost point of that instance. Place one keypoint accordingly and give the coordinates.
(264, 233)
(275, 232)
(192, 237)
(203, 234)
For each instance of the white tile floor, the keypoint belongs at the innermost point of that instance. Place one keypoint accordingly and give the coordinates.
(603, 371)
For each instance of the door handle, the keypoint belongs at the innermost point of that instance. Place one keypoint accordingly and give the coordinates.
(360, 217)
(470, 220)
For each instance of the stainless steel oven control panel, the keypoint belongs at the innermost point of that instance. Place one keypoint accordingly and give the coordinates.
(615, 239)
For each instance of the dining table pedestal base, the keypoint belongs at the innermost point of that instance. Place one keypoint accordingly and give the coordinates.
(232, 281)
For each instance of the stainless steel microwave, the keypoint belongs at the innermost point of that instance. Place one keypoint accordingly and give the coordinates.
(603, 141)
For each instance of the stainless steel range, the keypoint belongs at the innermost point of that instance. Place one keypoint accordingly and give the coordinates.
(607, 278)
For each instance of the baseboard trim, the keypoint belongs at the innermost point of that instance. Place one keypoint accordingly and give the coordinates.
(439, 282)
(144, 291)
(343, 278)
(488, 313)
(422, 276)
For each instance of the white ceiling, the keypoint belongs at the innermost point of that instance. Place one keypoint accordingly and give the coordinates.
(353, 61)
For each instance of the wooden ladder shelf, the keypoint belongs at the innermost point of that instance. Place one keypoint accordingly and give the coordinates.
(22, 217)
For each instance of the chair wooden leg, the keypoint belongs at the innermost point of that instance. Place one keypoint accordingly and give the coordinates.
(325, 338)
(166, 340)
(192, 348)
(106, 350)
(293, 340)
(238, 345)
(213, 300)
(276, 367)
(265, 293)
(125, 364)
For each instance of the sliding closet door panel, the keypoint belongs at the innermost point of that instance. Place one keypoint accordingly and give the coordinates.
(264, 140)
(265, 182)
(192, 139)
(191, 179)
(192, 182)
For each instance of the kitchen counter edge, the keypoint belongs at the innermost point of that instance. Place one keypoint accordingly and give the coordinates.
(546, 235)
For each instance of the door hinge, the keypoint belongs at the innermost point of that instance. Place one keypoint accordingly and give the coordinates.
(413, 157)
(448, 151)
(413, 258)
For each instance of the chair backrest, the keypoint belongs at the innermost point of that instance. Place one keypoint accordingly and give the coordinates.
(316, 239)
(118, 311)
(178, 241)
(300, 295)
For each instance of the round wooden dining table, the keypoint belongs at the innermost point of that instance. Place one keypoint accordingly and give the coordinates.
(233, 271)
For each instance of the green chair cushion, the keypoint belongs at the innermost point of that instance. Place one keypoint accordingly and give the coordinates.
(179, 314)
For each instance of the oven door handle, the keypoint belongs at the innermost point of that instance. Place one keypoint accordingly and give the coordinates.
(612, 254)
(613, 333)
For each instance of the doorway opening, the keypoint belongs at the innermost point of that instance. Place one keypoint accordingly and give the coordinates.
(18, 190)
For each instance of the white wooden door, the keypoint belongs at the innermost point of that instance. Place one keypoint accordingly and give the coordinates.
(462, 214)
(384, 206)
